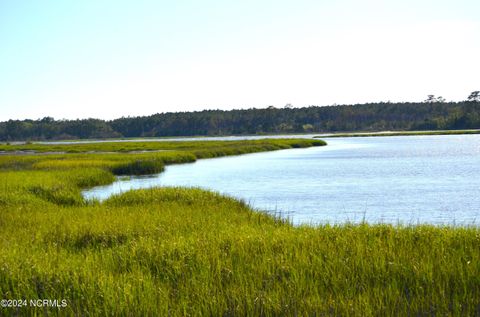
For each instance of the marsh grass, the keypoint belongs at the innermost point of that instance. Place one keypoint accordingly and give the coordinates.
(149, 146)
(186, 251)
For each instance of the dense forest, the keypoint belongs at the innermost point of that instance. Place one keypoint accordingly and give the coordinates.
(431, 114)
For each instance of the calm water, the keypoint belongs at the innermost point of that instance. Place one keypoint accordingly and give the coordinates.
(409, 179)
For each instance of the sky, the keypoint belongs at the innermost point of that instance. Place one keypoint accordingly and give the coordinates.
(111, 58)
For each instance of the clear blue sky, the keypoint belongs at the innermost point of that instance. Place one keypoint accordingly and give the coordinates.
(107, 59)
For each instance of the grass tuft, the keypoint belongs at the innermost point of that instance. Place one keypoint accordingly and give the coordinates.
(139, 167)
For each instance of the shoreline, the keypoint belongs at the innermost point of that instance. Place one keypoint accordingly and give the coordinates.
(398, 133)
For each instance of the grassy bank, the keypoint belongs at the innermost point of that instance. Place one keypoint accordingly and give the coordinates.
(206, 147)
(185, 251)
(134, 157)
(399, 133)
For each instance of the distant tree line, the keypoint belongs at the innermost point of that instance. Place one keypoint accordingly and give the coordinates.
(432, 114)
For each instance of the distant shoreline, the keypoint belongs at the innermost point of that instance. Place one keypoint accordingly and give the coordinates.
(398, 133)
(240, 136)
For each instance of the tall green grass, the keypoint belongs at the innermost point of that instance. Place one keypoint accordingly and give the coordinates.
(190, 252)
